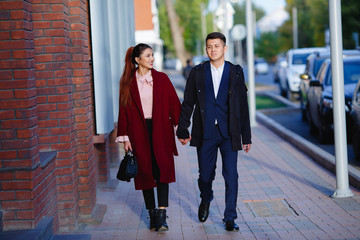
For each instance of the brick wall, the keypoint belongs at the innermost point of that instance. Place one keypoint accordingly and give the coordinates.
(46, 106)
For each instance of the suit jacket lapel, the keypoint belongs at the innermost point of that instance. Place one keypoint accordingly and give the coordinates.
(208, 80)
(224, 81)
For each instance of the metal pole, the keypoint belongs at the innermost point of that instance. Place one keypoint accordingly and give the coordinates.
(337, 71)
(225, 29)
(203, 25)
(240, 53)
(295, 27)
(250, 62)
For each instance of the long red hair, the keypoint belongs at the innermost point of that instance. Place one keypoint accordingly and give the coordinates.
(129, 70)
(126, 78)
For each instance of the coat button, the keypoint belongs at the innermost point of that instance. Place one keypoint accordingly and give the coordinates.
(199, 90)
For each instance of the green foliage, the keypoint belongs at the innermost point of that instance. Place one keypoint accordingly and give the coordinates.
(165, 32)
(319, 20)
(240, 13)
(189, 14)
(267, 46)
(305, 28)
(313, 20)
(350, 21)
(265, 102)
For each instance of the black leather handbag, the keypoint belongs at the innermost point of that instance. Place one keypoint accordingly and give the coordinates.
(128, 167)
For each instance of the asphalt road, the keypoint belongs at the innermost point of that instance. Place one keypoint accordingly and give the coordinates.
(290, 119)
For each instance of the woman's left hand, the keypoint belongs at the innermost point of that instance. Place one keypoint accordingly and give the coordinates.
(127, 146)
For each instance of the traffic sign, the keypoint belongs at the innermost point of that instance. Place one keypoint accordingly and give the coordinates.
(238, 32)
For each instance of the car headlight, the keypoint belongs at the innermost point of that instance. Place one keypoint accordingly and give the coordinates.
(328, 103)
(295, 76)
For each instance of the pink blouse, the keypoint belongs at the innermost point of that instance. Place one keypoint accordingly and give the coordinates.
(145, 86)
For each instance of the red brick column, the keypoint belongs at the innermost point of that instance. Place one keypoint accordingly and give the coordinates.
(55, 103)
(83, 108)
(19, 155)
(102, 151)
(47, 162)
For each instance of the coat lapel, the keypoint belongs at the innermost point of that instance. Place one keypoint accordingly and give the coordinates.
(200, 83)
(224, 83)
(233, 76)
(209, 86)
(134, 91)
(156, 93)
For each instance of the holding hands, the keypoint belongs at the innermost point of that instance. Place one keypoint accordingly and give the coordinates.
(184, 141)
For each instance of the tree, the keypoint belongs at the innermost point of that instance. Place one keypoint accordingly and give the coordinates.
(313, 20)
(240, 13)
(176, 32)
(267, 46)
(305, 29)
(350, 21)
(188, 14)
(319, 20)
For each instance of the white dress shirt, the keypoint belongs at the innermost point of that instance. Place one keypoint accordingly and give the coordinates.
(216, 74)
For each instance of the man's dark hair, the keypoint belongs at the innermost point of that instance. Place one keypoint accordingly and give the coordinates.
(216, 35)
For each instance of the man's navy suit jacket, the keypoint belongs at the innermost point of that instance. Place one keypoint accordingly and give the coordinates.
(195, 96)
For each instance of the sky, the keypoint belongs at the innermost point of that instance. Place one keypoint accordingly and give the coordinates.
(268, 5)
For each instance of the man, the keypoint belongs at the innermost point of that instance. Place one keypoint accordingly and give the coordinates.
(187, 68)
(217, 90)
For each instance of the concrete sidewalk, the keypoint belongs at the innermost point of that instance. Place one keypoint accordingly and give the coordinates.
(283, 194)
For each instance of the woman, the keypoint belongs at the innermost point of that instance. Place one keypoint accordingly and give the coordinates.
(149, 110)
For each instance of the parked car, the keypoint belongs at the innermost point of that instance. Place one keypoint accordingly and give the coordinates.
(320, 100)
(289, 77)
(280, 63)
(173, 63)
(313, 64)
(199, 59)
(355, 117)
(261, 66)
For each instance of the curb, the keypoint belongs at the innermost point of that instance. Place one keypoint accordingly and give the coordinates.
(322, 157)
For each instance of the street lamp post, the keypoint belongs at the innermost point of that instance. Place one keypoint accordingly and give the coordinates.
(337, 71)
(250, 62)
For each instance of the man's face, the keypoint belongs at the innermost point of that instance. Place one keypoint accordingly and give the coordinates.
(215, 49)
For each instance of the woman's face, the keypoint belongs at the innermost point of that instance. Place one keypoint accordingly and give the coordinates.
(146, 59)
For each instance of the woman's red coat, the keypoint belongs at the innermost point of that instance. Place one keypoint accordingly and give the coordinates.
(165, 115)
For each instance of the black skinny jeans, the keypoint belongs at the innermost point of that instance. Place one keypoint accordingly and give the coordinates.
(162, 188)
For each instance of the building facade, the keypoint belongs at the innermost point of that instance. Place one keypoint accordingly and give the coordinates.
(147, 29)
(56, 139)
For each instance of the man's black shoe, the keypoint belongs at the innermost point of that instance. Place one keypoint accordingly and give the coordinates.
(231, 226)
(203, 211)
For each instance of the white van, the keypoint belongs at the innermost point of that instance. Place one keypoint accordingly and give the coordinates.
(289, 77)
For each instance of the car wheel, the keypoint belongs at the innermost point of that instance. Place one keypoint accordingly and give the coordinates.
(282, 91)
(290, 95)
(312, 127)
(325, 136)
(356, 142)
(303, 115)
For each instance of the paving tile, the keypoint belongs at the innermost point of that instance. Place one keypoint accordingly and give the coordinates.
(274, 177)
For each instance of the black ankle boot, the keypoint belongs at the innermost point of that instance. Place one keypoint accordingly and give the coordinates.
(152, 214)
(161, 220)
